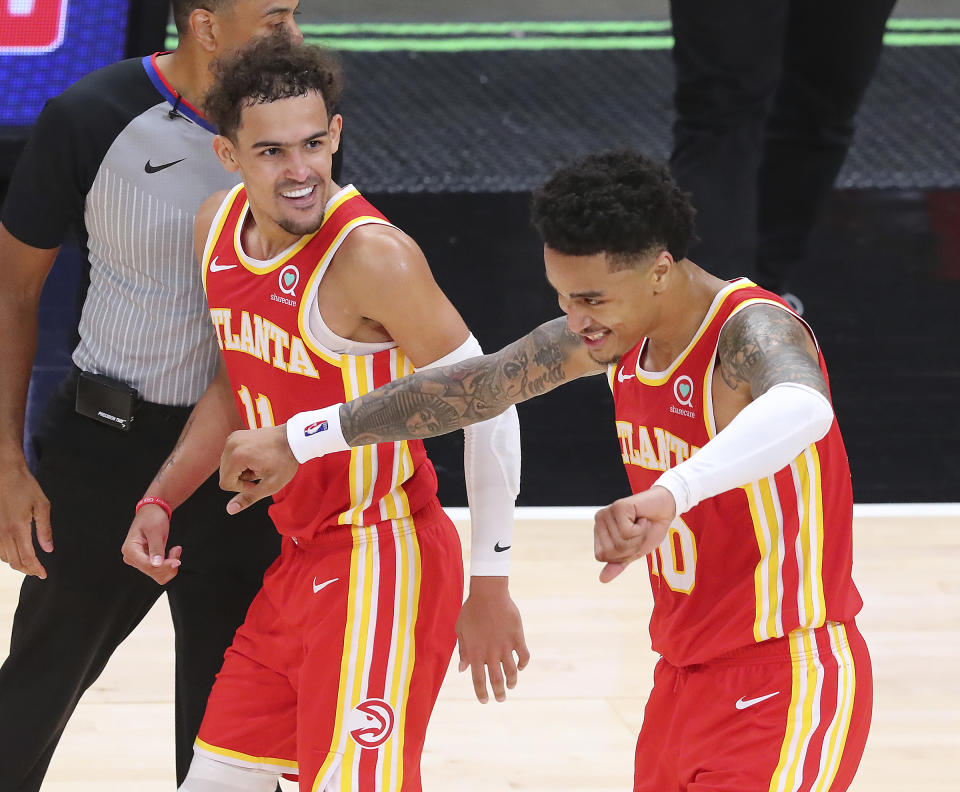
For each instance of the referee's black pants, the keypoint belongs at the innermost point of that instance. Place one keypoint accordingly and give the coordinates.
(766, 94)
(67, 626)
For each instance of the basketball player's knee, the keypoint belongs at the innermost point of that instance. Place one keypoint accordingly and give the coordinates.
(209, 775)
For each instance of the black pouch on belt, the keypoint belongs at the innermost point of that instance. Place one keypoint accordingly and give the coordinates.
(106, 400)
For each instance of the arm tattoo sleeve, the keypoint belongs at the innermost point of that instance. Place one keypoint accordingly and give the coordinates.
(437, 401)
(763, 346)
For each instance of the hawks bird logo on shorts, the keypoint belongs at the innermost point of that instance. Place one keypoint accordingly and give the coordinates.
(373, 723)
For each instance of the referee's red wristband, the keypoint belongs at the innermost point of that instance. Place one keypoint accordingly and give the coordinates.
(156, 502)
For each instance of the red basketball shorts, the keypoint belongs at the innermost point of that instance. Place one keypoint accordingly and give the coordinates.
(335, 671)
(787, 715)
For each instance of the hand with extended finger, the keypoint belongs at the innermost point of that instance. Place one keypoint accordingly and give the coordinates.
(146, 543)
(630, 528)
(489, 634)
(23, 509)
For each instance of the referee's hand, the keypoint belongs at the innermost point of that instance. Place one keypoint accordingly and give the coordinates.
(23, 509)
(256, 463)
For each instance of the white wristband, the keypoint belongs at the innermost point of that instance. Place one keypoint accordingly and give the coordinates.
(316, 433)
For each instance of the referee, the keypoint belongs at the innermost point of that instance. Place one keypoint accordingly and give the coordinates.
(122, 159)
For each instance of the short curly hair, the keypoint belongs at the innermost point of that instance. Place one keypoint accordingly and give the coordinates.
(619, 203)
(266, 70)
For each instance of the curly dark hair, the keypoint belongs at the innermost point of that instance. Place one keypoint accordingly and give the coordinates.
(619, 203)
(266, 70)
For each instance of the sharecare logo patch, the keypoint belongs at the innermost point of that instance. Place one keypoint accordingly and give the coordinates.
(683, 390)
(288, 280)
(314, 428)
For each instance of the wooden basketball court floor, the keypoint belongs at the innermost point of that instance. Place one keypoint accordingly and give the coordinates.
(571, 723)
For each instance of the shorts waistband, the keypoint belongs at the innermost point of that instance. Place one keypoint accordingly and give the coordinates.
(347, 535)
(772, 650)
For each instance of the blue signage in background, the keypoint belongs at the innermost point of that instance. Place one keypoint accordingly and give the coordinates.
(46, 45)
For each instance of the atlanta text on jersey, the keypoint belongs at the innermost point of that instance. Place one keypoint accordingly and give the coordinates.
(661, 452)
(256, 337)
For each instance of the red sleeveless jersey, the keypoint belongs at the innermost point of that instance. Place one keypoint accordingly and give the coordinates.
(260, 311)
(752, 563)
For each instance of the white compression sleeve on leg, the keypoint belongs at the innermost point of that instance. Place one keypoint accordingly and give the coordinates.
(209, 775)
(764, 437)
(491, 467)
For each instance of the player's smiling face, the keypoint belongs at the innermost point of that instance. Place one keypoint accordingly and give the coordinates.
(285, 153)
(611, 311)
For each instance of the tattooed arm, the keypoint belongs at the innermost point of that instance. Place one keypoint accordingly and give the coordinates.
(435, 402)
(762, 346)
(191, 462)
(429, 403)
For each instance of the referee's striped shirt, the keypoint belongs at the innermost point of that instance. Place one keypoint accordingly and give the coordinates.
(109, 159)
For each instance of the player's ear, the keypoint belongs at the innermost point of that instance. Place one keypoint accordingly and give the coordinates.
(226, 152)
(661, 271)
(336, 127)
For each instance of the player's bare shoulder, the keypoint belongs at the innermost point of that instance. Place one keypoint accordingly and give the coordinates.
(383, 252)
(763, 345)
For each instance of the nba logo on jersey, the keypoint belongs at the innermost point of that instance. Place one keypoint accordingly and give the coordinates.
(312, 429)
(371, 723)
(31, 26)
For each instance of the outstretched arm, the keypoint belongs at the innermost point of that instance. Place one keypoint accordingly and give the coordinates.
(425, 404)
(468, 392)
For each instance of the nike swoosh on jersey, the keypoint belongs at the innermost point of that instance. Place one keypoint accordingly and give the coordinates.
(214, 267)
(498, 549)
(743, 703)
(323, 585)
(622, 378)
(150, 168)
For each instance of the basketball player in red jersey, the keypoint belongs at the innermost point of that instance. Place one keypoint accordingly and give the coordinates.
(316, 297)
(742, 504)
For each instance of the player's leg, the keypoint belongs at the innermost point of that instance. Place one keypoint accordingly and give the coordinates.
(830, 55)
(364, 710)
(224, 560)
(250, 717)
(856, 665)
(656, 757)
(211, 775)
(67, 626)
(727, 61)
(795, 722)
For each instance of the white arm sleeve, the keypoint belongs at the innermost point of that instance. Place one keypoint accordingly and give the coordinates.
(491, 467)
(764, 437)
